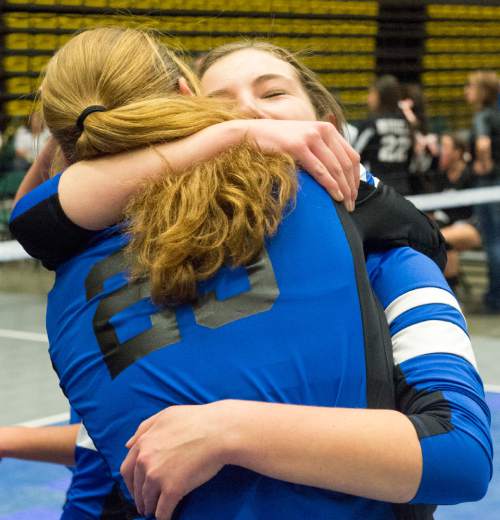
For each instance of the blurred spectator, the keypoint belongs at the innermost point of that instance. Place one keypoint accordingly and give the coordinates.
(413, 98)
(28, 140)
(458, 225)
(385, 139)
(7, 154)
(481, 92)
(426, 147)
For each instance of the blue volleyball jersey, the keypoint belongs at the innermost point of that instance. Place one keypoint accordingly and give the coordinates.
(437, 384)
(289, 328)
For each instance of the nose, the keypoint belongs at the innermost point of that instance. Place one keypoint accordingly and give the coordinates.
(250, 107)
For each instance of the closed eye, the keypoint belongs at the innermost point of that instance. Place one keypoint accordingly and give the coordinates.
(273, 93)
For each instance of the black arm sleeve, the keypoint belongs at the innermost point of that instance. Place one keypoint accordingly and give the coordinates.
(47, 234)
(385, 219)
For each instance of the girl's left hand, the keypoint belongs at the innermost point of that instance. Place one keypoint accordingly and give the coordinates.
(172, 453)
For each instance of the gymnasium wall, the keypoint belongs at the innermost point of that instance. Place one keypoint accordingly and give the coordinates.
(346, 42)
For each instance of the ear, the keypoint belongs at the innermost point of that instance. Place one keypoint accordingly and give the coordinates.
(184, 87)
(332, 119)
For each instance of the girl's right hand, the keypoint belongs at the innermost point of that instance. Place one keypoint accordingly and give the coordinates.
(317, 146)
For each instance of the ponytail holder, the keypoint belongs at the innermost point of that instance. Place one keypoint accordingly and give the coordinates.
(89, 110)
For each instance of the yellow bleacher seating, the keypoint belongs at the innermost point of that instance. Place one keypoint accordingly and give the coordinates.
(19, 108)
(95, 3)
(21, 85)
(476, 12)
(16, 64)
(444, 28)
(17, 41)
(346, 46)
(445, 78)
(37, 63)
(43, 42)
(16, 20)
(461, 61)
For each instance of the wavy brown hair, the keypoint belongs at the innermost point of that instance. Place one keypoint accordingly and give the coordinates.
(218, 212)
(182, 227)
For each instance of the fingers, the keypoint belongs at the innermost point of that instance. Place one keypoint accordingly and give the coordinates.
(166, 505)
(138, 485)
(310, 162)
(127, 469)
(325, 153)
(356, 162)
(143, 428)
(151, 494)
(144, 490)
(329, 159)
(345, 154)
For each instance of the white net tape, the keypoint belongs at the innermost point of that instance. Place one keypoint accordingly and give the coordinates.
(11, 250)
(456, 198)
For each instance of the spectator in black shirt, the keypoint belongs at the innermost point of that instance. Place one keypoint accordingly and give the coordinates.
(482, 93)
(385, 139)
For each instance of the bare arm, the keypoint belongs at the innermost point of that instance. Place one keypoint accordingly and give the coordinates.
(317, 146)
(370, 453)
(349, 453)
(54, 444)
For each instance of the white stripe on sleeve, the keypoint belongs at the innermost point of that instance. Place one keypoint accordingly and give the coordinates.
(432, 337)
(418, 297)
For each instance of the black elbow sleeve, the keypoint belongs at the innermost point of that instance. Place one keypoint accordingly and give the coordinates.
(385, 219)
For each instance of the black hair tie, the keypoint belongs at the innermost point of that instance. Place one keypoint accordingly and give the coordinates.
(89, 110)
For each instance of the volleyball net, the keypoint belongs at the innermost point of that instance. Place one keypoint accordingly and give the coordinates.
(11, 250)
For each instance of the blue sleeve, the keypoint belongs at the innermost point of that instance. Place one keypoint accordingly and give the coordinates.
(40, 225)
(437, 384)
(443, 396)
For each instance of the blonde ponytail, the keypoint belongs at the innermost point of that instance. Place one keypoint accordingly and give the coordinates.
(146, 122)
